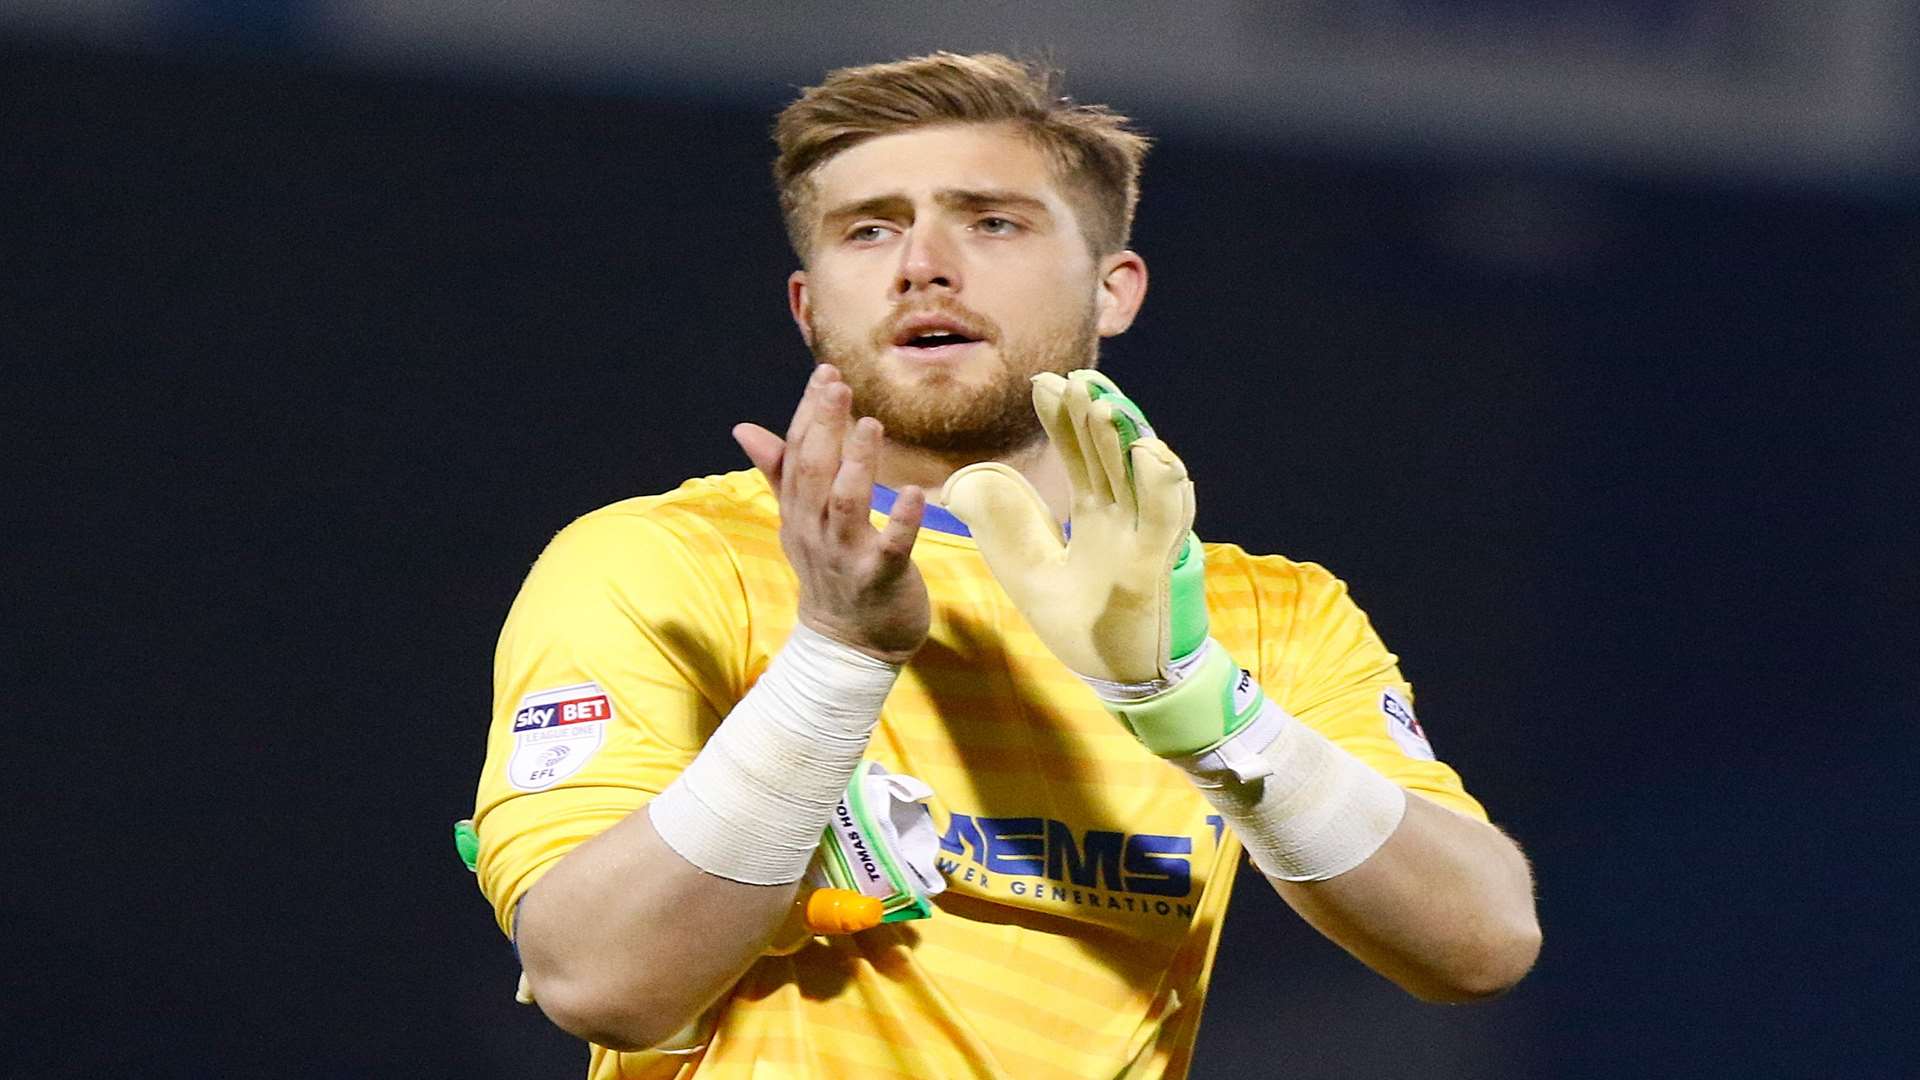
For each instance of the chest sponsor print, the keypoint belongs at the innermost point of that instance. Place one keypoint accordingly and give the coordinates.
(1040, 862)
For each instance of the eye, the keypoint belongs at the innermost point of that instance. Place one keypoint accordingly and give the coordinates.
(994, 225)
(866, 234)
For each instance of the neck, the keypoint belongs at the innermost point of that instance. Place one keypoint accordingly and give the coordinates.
(903, 465)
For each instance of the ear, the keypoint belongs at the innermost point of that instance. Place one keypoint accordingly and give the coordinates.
(800, 305)
(1123, 287)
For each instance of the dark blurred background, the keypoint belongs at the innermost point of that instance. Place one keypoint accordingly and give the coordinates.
(1571, 335)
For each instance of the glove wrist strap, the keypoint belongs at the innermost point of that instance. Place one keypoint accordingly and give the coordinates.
(1240, 754)
(1205, 701)
(1305, 809)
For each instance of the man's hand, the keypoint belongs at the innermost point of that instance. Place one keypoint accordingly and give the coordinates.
(1104, 603)
(858, 584)
(1124, 604)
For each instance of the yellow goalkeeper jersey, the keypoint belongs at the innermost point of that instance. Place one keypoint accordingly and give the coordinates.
(1087, 878)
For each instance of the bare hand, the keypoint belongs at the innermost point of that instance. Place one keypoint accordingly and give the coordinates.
(858, 584)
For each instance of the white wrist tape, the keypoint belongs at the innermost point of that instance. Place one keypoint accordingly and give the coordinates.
(1304, 809)
(752, 805)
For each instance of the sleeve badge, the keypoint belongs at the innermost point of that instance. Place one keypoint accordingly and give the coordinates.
(555, 733)
(1403, 726)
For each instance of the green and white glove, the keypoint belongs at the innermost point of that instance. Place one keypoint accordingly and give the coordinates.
(881, 843)
(877, 862)
(1123, 603)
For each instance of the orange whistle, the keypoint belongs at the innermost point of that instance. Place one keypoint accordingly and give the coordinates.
(841, 911)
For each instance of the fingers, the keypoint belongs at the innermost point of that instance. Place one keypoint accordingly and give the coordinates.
(1086, 434)
(852, 493)
(1166, 494)
(856, 583)
(826, 469)
(1007, 517)
(797, 427)
(763, 448)
(1104, 436)
(803, 413)
(1080, 408)
(902, 528)
(1049, 403)
(814, 447)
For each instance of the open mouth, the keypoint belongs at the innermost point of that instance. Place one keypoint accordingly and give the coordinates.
(940, 340)
(934, 337)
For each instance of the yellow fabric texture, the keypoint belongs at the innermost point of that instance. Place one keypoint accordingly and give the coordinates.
(1087, 877)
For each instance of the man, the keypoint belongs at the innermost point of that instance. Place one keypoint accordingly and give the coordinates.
(687, 681)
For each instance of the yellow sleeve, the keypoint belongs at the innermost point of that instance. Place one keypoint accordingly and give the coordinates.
(622, 653)
(1332, 671)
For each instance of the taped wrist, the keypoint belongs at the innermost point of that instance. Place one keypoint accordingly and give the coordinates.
(1304, 809)
(751, 806)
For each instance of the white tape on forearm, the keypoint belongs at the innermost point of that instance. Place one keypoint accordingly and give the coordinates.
(752, 805)
(1318, 813)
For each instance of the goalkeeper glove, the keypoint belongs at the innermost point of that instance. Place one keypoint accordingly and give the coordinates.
(876, 863)
(1123, 604)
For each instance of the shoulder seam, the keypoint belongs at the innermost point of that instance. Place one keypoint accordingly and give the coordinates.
(686, 519)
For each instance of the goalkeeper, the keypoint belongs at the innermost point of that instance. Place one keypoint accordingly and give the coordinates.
(1083, 715)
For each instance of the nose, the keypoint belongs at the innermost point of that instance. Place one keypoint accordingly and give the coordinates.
(928, 262)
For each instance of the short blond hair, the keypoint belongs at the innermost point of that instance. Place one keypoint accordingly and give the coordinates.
(1093, 151)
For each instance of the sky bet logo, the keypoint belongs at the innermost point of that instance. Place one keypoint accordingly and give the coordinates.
(555, 713)
(1041, 847)
(555, 733)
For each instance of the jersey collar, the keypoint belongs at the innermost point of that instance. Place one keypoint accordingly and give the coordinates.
(936, 517)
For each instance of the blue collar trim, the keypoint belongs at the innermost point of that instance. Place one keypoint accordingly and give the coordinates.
(936, 517)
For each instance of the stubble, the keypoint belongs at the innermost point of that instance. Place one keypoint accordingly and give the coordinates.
(932, 410)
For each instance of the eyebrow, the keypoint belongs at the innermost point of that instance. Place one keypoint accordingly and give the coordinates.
(956, 199)
(950, 198)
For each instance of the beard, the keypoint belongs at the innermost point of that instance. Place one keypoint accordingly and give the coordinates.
(932, 409)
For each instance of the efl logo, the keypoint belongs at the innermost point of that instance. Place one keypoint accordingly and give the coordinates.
(571, 710)
(555, 733)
